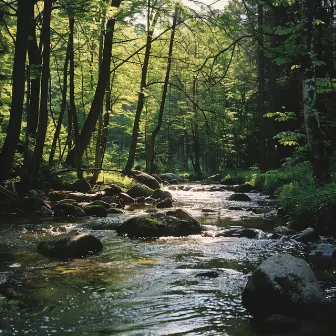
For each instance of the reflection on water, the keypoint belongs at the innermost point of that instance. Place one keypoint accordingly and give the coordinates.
(135, 287)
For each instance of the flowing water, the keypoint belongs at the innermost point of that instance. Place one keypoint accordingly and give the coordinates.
(137, 287)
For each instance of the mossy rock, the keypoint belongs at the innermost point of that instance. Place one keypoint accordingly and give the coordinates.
(101, 203)
(139, 191)
(67, 201)
(158, 225)
(96, 210)
(70, 246)
(71, 210)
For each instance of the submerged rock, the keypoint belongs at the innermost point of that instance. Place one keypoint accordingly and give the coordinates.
(210, 274)
(70, 246)
(242, 233)
(239, 198)
(282, 285)
(159, 224)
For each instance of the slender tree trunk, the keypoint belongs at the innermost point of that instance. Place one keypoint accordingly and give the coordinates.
(43, 120)
(72, 109)
(273, 104)
(261, 88)
(315, 138)
(195, 133)
(18, 88)
(97, 163)
(63, 105)
(96, 107)
(35, 63)
(151, 152)
(141, 95)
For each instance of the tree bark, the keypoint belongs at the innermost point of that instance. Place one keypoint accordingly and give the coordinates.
(273, 104)
(141, 95)
(63, 105)
(43, 120)
(35, 63)
(96, 107)
(151, 152)
(18, 87)
(261, 88)
(320, 157)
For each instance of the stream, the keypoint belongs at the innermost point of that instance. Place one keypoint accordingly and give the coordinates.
(141, 287)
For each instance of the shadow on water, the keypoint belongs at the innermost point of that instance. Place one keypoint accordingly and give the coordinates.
(138, 287)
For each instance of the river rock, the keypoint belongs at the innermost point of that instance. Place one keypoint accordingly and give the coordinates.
(213, 179)
(127, 199)
(68, 200)
(114, 211)
(44, 212)
(157, 193)
(81, 185)
(30, 204)
(166, 203)
(102, 203)
(146, 179)
(283, 285)
(308, 235)
(233, 180)
(112, 190)
(159, 224)
(243, 188)
(139, 191)
(239, 198)
(242, 233)
(71, 210)
(70, 246)
(171, 178)
(95, 210)
(78, 196)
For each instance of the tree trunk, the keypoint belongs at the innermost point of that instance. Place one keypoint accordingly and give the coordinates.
(18, 88)
(43, 120)
(35, 63)
(163, 99)
(315, 138)
(96, 107)
(63, 105)
(141, 95)
(261, 88)
(273, 104)
(97, 163)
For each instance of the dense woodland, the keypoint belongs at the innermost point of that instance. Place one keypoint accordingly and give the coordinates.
(162, 85)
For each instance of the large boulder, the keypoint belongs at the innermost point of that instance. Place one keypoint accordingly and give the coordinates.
(146, 179)
(239, 198)
(282, 285)
(70, 246)
(112, 190)
(157, 225)
(81, 185)
(171, 178)
(126, 199)
(166, 203)
(139, 191)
